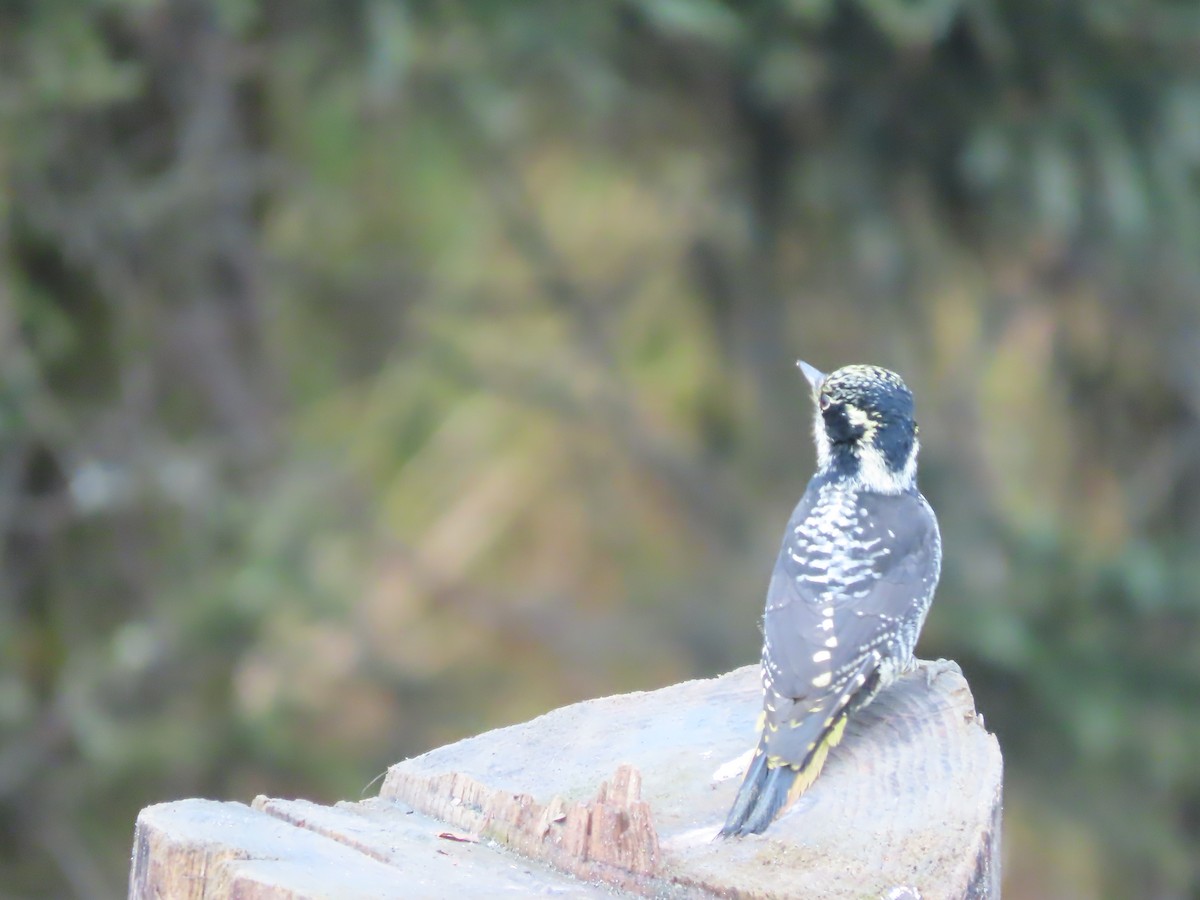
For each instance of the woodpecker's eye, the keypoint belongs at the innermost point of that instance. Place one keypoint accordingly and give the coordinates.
(823, 402)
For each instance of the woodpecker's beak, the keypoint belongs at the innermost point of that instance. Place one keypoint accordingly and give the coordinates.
(814, 375)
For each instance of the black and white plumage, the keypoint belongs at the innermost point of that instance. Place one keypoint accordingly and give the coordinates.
(853, 582)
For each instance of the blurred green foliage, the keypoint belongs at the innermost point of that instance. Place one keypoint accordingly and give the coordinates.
(378, 372)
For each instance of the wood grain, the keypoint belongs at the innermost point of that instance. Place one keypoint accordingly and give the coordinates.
(911, 798)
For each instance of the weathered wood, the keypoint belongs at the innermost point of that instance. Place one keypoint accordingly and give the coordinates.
(297, 850)
(908, 804)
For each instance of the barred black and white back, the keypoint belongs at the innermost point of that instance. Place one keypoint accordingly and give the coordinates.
(850, 590)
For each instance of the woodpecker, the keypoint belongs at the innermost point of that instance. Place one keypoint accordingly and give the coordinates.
(850, 590)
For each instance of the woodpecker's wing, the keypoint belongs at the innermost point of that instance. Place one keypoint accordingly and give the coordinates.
(847, 597)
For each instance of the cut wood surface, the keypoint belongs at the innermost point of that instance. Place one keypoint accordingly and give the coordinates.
(622, 795)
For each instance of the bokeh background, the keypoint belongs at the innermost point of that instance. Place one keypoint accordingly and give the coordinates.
(373, 373)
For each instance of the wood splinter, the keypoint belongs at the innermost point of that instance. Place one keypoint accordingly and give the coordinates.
(610, 838)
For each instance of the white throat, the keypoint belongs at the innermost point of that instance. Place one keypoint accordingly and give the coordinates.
(874, 474)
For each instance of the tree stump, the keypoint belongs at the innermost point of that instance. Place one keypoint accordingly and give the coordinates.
(622, 795)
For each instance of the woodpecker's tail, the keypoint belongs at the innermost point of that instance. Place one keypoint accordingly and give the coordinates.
(771, 784)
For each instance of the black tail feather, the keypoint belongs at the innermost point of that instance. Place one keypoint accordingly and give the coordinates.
(771, 799)
(747, 794)
(763, 793)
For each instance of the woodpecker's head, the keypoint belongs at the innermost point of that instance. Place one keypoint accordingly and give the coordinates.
(864, 426)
